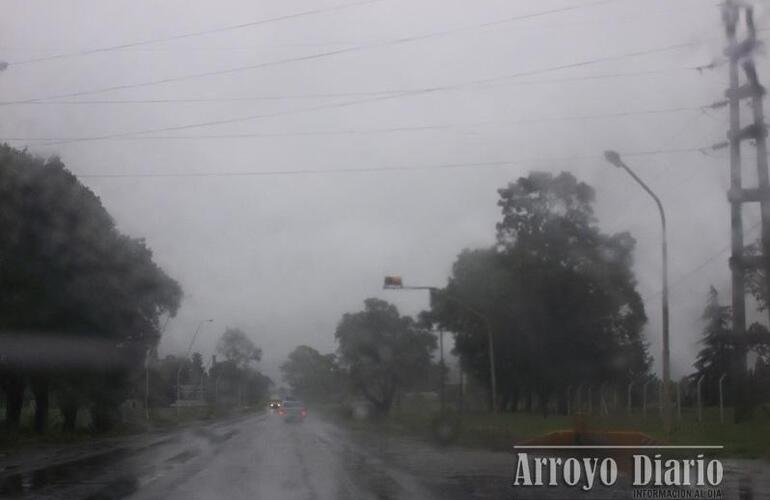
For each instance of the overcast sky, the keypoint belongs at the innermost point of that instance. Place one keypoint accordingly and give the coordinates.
(467, 95)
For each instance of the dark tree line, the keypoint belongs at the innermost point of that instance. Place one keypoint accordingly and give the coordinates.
(558, 295)
(80, 303)
(230, 381)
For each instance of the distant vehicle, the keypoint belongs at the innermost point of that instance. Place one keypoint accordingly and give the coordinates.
(274, 404)
(292, 410)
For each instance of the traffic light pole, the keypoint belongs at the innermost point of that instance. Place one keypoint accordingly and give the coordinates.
(394, 283)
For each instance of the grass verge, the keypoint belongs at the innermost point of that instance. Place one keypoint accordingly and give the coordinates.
(499, 432)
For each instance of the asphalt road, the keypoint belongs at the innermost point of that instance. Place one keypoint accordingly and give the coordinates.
(271, 459)
(261, 457)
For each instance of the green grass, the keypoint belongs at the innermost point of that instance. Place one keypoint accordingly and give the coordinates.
(499, 432)
(160, 418)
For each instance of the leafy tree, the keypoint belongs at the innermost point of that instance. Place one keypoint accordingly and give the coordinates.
(237, 385)
(312, 375)
(382, 351)
(558, 295)
(235, 379)
(237, 347)
(163, 390)
(68, 274)
(714, 358)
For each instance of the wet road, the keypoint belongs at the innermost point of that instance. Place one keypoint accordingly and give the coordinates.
(270, 459)
(261, 457)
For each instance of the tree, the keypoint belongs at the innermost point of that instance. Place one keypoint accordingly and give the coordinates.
(69, 277)
(235, 346)
(382, 351)
(163, 389)
(312, 376)
(237, 385)
(715, 357)
(559, 296)
(236, 380)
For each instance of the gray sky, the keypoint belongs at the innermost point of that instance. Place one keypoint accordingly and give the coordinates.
(283, 256)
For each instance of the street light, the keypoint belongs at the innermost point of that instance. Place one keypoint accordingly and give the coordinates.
(147, 373)
(396, 283)
(179, 370)
(614, 158)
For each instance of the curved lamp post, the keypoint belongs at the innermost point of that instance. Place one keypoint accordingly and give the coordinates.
(614, 158)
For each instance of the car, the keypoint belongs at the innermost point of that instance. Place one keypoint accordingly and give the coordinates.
(274, 404)
(292, 410)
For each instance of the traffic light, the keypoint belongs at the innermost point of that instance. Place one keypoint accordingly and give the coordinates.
(393, 282)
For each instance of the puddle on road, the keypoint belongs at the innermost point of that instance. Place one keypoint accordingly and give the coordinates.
(369, 476)
(24, 483)
(183, 457)
(119, 488)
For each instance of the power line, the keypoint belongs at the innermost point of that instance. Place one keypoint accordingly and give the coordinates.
(221, 29)
(419, 128)
(700, 266)
(686, 125)
(424, 91)
(354, 170)
(135, 45)
(331, 95)
(309, 57)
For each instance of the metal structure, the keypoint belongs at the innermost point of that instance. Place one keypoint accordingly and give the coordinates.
(187, 355)
(614, 158)
(740, 53)
(396, 283)
(700, 398)
(722, 398)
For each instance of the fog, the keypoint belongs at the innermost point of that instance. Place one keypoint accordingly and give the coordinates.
(279, 235)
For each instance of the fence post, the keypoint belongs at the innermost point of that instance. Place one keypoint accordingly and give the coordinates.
(603, 399)
(700, 399)
(590, 401)
(660, 398)
(679, 400)
(579, 398)
(630, 386)
(569, 400)
(644, 399)
(721, 399)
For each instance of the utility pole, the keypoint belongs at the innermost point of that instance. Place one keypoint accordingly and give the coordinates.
(740, 53)
(147, 384)
(442, 372)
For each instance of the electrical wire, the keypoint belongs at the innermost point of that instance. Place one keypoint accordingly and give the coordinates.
(355, 170)
(420, 128)
(425, 91)
(330, 95)
(182, 36)
(310, 57)
(697, 268)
